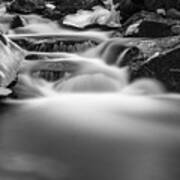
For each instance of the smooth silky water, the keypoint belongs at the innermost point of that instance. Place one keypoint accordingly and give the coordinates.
(90, 125)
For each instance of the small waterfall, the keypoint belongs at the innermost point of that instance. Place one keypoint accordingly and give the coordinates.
(76, 116)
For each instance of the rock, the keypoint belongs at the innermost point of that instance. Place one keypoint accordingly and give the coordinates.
(175, 29)
(5, 92)
(11, 58)
(148, 46)
(150, 16)
(64, 8)
(161, 12)
(158, 58)
(17, 21)
(147, 28)
(77, 4)
(173, 13)
(164, 67)
(128, 7)
(26, 6)
(153, 5)
(140, 25)
(98, 15)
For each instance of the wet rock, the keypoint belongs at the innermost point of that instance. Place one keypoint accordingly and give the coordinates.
(173, 13)
(164, 67)
(4, 92)
(64, 8)
(98, 15)
(17, 21)
(150, 46)
(26, 6)
(150, 29)
(11, 58)
(77, 4)
(128, 7)
(56, 45)
(150, 16)
(150, 24)
(158, 59)
(153, 5)
(175, 29)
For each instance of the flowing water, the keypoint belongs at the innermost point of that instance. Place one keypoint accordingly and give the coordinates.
(91, 124)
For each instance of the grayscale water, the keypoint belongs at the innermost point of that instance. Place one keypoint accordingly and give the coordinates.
(90, 125)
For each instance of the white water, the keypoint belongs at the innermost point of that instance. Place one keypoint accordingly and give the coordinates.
(115, 130)
(92, 136)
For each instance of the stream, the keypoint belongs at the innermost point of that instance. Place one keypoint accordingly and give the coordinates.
(75, 115)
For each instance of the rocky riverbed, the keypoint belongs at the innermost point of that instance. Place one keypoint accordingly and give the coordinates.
(147, 41)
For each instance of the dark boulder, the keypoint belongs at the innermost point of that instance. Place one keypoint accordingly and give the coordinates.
(17, 21)
(78, 4)
(164, 67)
(26, 6)
(128, 7)
(151, 29)
(150, 24)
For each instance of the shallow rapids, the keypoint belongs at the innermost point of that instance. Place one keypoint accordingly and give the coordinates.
(76, 116)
